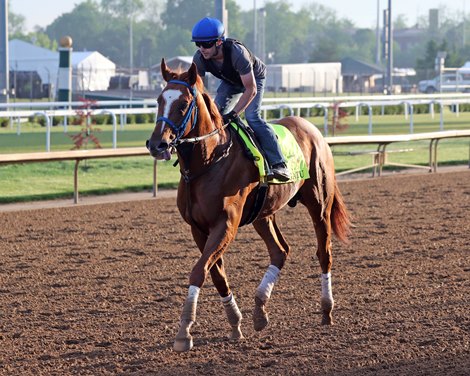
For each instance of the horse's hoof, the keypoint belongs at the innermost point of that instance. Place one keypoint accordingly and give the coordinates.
(327, 307)
(260, 323)
(260, 316)
(237, 334)
(327, 319)
(183, 344)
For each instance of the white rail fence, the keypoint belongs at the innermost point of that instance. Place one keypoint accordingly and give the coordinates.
(290, 106)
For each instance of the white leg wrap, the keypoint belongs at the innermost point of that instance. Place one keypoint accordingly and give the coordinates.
(266, 286)
(189, 308)
(231, 309)
(326, 291)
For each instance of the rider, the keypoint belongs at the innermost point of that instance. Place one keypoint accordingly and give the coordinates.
(242, 78)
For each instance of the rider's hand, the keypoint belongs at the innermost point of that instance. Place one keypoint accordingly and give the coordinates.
(231, 116)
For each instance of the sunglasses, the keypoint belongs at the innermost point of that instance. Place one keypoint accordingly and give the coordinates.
(206, 44)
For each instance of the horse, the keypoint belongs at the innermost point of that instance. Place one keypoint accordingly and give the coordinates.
(217, 192)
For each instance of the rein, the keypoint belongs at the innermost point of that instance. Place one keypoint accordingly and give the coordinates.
(201, 138)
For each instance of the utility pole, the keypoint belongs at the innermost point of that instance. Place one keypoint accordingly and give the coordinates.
(4, 68)
(390, 49)
(377, 35)
(255, 28)
(221, 14)
(131, 46)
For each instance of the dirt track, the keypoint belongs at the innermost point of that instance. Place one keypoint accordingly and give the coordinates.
(98, 289)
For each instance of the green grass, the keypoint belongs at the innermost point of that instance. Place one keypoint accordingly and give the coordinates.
(27, 182)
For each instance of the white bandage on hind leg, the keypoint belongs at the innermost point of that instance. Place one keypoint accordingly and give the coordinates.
(326, 291)
(266, 286)
(189, 308)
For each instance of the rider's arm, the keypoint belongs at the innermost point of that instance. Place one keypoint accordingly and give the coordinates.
(249, 83)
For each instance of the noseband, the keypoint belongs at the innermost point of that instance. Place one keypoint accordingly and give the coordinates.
(179, 129)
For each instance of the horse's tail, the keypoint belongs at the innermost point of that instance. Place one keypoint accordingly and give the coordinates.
(340, 217)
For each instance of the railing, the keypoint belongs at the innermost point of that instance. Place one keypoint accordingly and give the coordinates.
(291, 105)
(381, 141)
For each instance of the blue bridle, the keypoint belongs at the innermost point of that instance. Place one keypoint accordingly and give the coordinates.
(179, 129)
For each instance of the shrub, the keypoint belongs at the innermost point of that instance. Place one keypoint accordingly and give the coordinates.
(142, 118)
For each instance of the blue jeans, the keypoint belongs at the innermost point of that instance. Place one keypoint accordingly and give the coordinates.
(226, 98)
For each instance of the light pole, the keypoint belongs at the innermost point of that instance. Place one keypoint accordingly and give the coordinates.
(390, 49)
(131, 45)
(255, 28)
(4, 69)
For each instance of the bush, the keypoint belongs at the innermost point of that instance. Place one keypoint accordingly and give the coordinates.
(4, 122)
(130, 119)
(142, 118)
(57, 120)
(102, 119)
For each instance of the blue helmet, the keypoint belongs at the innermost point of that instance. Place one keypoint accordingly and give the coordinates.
(208, 29)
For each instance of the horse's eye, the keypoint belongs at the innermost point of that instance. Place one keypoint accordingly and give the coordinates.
(182, 107)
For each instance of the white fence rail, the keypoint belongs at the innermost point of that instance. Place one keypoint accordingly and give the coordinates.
(289, 106)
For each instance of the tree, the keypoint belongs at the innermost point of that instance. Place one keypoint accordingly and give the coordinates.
(185, 13)
(84, 24)
(16, 23)
(122, 8)
(286, 31)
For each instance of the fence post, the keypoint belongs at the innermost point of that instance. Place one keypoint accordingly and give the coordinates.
(48, 129)
(369, 112)
(113, 117)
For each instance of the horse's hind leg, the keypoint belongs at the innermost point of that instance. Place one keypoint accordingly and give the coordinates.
(278, 250)
(323, 230)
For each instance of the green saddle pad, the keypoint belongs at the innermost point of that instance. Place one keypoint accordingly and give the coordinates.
(289, 147)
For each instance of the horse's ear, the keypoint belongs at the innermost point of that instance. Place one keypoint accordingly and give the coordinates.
(192, 74)
(166, 73)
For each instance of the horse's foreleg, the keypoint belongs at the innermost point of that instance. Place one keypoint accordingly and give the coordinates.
(184, 340)
(234, 315)
(278, 250)
(212, 248)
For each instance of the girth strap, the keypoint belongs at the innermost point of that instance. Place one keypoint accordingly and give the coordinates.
(261, 193)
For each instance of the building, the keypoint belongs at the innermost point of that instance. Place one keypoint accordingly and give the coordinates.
(359, 76)
(309, 77)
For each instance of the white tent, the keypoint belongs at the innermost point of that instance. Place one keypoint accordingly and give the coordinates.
(464, 69)
(90, 70)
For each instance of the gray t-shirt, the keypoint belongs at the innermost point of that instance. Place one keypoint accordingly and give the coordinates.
(241, 63)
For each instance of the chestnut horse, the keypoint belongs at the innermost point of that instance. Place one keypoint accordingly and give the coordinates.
(218, 190)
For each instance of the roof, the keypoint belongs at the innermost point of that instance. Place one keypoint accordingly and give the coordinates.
(176, 62)
(354, 67)
(22, 50)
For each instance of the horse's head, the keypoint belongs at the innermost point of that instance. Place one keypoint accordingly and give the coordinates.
(177, 111)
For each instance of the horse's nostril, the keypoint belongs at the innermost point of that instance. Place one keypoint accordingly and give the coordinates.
(163, 146)
(147, 143)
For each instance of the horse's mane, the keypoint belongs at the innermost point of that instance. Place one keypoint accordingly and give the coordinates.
(210, 104)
